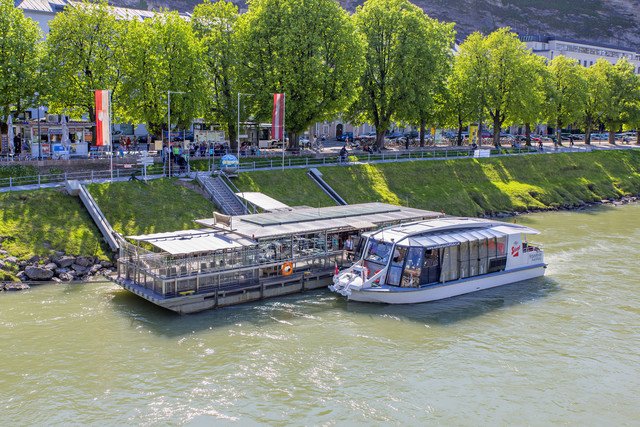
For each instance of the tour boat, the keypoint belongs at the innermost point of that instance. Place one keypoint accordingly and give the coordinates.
(439, 258)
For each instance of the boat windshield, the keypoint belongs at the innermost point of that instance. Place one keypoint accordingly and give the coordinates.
(378, 252)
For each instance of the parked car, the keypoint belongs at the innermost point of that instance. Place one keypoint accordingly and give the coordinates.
(413, 134)
(344, 136)
(394, 135)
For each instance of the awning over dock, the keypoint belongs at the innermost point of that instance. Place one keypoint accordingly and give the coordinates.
(263, 201)
(194, 241)
(311, 220)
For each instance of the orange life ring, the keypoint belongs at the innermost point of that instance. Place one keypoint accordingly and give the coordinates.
(287, 268)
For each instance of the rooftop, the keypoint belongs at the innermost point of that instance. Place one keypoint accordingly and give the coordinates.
(310, 220)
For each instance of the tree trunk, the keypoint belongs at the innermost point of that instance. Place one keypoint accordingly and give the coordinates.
(496, 130)
(638, 136)
(459, 136)
(527, 134)
(612, 135)
(587, 133)
(233, 135)
(558, 133)
(379, 138)
(423, 125)
(294, 140)
(92, 119)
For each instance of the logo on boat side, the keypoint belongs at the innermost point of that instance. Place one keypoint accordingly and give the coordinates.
(515, 249)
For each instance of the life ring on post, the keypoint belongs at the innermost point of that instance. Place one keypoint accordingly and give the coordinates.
(287, 268)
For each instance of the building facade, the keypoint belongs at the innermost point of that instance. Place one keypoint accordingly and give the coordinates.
(585, 53)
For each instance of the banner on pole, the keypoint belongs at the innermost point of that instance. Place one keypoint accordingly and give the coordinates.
(103, 118)
(277, 124)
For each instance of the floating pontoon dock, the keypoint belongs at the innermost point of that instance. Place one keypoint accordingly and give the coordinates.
(250, 257)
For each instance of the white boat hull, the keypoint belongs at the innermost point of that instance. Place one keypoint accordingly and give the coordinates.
(393, 295)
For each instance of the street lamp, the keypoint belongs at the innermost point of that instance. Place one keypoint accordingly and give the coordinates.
(39, 136)
(238, 128)
(169, 92)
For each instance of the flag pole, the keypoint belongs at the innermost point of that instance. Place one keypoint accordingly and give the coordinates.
(284, 110)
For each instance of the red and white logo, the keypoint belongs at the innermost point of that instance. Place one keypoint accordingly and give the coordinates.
(515, 249)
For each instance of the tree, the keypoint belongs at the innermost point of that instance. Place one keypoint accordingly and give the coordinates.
(507, 85)
(81, 52)
(308, 50)
(20, 54)
(460, 104)
(213, 24)
(392, 31)
(596, 94)
(529, 108)
(159, 55)
(566, 93)
(431, 66)
(623, 92)
(465, 94)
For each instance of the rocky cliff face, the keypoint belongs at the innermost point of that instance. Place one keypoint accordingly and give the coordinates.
(615, 22)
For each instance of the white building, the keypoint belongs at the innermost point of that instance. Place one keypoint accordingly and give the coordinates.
(586, 53)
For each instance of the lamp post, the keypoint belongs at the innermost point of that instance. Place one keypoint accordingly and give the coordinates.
(169, 92)
(39, 136)
(238, 128)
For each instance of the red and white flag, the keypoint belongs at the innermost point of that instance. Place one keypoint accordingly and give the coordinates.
(103, 118)
(277, 119)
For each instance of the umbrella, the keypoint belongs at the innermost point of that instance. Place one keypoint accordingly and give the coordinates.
(66, 142)
(10, 133)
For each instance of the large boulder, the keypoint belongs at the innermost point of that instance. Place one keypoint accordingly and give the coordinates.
(51, 266)
(84, 261)
(79, 268)
(65, 277)
(3, 252)
(38, 273)
(65, 261)
(11, 260)
(2, 265)
(34, 259)
(95, 268)
(106, 264)
(15, 286)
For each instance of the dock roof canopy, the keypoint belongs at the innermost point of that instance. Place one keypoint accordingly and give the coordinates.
(194, 241)
(312, 220)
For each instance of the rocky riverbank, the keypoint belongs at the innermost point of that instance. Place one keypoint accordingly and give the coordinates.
(581, 206)
(15, 274)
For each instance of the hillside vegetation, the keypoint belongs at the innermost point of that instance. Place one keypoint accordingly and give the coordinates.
(613, 22)
(469, 186)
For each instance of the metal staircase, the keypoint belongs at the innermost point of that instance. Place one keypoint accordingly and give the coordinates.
(222, 195)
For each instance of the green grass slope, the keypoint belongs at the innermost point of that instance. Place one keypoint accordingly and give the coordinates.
(157, 206)
(291, 186)
(487, 186)
(39, 222)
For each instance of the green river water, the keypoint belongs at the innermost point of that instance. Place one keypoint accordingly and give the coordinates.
(559, 350)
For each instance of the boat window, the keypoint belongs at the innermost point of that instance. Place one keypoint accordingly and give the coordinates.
(483, 259)
(430, 266)
(379, 252)
(397, 262)
(473, 258)
(412, 268)
(465, 270)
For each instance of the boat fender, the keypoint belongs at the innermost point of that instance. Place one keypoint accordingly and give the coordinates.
(287, 268)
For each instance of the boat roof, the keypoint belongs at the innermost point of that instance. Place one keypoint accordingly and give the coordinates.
(307, 220)
(194, 241)
(447, 231)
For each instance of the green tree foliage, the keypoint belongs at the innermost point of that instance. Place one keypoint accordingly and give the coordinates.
(428, 71)
(20, 54)
(566, 92)
(308, 50)
(510, 80)
(81, 52)
(595, 78)
(465, 88)
(159, 55)
(392, 31)
(529, 108)
(213, 24)
(623, 92)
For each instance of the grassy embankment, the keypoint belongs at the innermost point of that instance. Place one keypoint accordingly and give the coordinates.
(157, 206)
(41, 222)
(466, 186)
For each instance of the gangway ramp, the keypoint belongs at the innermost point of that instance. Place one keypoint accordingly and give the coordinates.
(262, 201)
(110, 236)
(316, 176)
